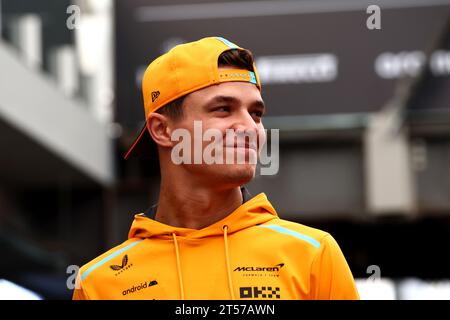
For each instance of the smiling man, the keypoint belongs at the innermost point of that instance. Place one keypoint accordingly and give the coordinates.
(207, 238)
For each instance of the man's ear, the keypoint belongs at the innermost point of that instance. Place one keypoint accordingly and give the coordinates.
(158, 126)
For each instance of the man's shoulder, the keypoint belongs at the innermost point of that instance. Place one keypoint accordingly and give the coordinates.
(114, 260)
(297, 230)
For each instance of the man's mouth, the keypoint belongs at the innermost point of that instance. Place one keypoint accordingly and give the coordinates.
(249, 146)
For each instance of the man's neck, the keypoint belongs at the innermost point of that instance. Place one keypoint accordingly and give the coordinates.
(195, 207)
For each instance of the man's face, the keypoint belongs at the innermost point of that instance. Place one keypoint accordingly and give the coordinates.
(233, 109)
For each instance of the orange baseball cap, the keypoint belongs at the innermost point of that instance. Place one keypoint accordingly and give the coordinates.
(184, 69)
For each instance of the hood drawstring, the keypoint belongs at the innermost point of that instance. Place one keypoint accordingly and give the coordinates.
(180, 276)
(227, 258)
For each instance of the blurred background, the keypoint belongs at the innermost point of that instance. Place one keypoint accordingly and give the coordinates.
(361, 98)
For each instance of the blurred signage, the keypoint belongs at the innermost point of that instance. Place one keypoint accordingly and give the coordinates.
(314, 57)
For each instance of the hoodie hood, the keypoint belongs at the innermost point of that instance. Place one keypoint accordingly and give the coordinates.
(255, 211)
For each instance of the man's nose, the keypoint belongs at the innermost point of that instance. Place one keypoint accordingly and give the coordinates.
(244, 122)
(245, 127)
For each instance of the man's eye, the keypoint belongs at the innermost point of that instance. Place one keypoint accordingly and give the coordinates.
(258, 114)
(222, 109)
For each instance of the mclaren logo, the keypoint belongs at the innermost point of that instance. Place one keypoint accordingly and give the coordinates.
(121, 268)
(275, 268)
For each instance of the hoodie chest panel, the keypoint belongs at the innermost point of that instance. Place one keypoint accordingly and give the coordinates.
(135, 279)
(267, 266)
(203, 268)
(154, 273)
(261, 267)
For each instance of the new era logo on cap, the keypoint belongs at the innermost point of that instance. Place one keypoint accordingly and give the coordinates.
(155, 95)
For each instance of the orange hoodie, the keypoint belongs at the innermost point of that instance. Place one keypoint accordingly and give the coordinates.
(250, 254)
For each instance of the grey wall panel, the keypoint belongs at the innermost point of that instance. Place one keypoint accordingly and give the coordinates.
(33, 105)
(316, 181)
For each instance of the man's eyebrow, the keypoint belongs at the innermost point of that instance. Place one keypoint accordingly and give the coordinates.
(219, 99)
(230, 99)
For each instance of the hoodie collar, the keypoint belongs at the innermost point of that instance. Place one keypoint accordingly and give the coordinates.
(254, 211)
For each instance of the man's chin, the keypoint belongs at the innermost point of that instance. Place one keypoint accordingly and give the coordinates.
(240, 173)
(229, 175)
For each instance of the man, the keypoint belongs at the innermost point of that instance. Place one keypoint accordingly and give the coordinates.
(207, 238)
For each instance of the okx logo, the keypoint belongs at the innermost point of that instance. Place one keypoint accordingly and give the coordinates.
(121, 268)
(260, 292)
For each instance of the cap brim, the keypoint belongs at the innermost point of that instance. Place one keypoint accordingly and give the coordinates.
(143, 146)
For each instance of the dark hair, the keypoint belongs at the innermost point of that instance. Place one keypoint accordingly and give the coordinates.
(242, 59)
